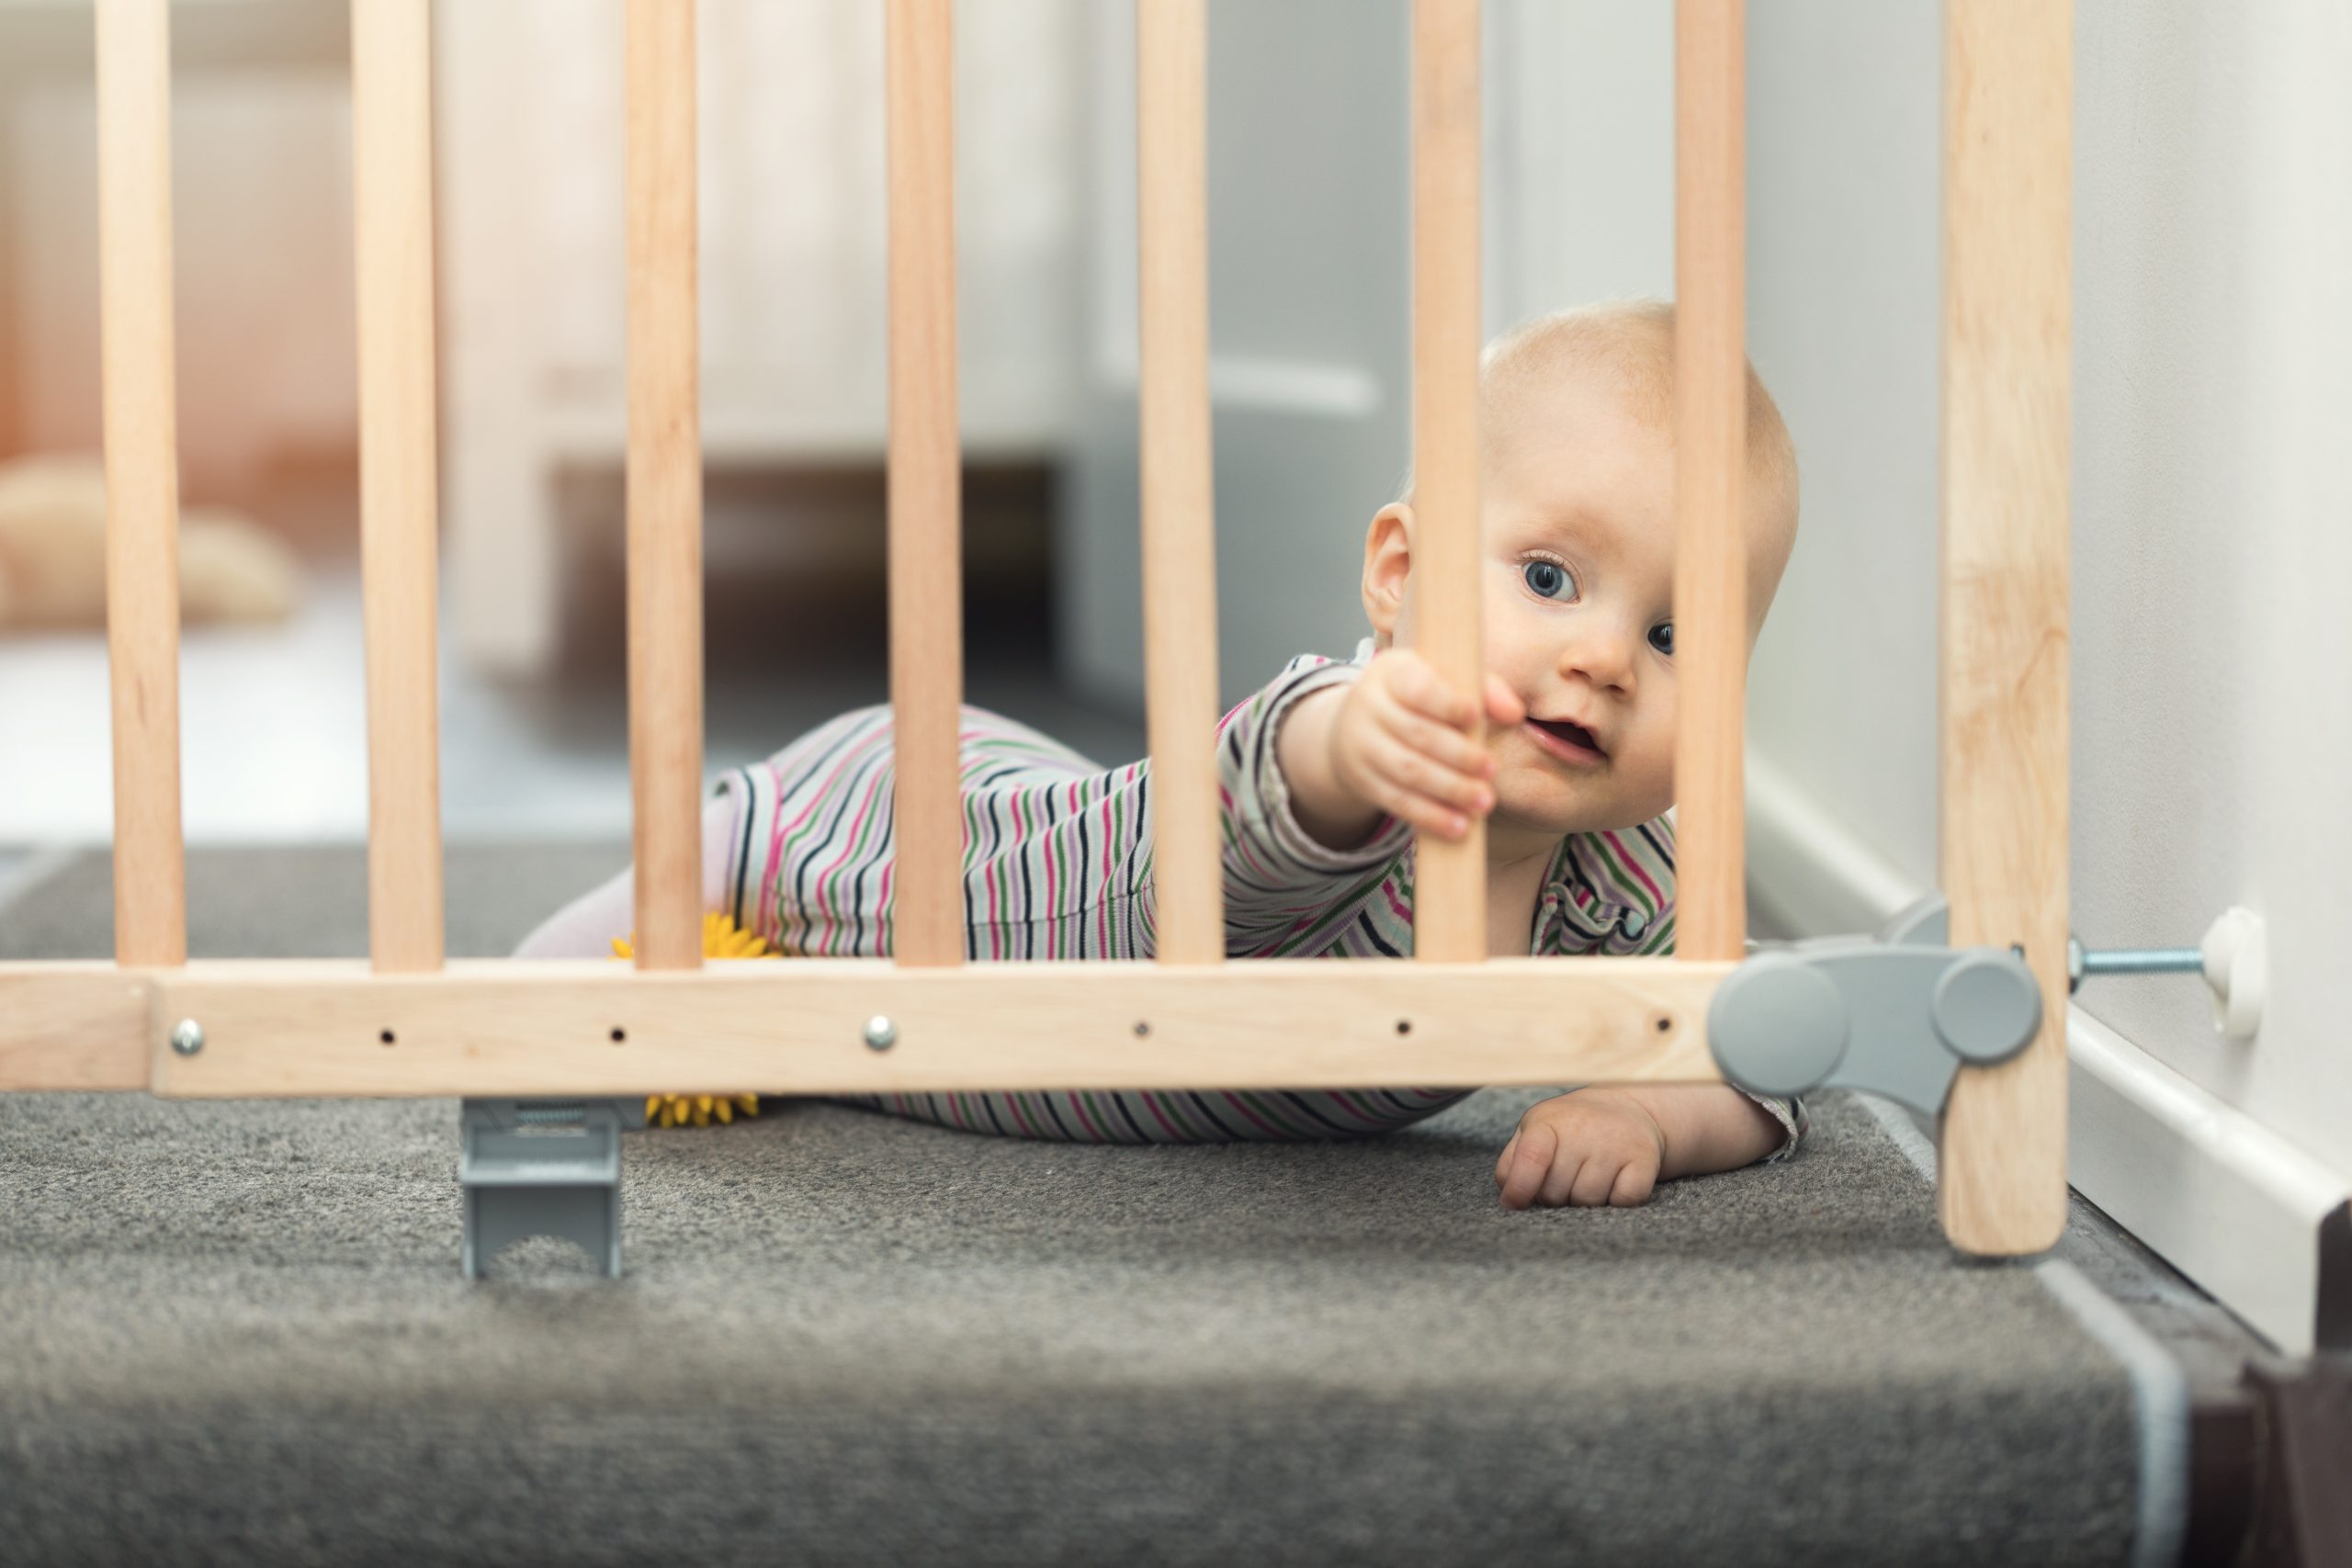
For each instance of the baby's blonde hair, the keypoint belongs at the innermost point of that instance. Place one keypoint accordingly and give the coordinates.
(1631, 343)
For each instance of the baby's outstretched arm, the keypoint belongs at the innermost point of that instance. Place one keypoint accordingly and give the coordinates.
(1613, 1143)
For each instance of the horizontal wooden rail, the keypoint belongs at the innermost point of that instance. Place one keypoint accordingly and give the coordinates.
(797, 1026)
(75, 1026)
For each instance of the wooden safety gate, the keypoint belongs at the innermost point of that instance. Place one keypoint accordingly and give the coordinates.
(411, 1022)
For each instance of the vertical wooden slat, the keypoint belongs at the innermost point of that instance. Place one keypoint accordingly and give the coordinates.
(1449, 877)
(392, 93)
(141, 417)
(2003, 820)
(925, 527)
(665, 697)
(1179, 496)
(1710, 473)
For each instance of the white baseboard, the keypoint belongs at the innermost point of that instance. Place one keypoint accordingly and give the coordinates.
(2230, 1206)
(1807, 874)
(2262, 1227)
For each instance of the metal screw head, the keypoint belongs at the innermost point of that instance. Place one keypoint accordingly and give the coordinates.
(187, 1037)
(880, 1032)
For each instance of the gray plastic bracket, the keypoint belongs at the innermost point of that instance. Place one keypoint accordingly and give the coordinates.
(544, 1168)
(1896, 1014)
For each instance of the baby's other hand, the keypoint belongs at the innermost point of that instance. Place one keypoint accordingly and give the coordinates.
(1586, 1149)
(1401, 743)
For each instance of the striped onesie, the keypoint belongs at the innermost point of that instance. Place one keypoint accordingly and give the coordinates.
(1057, 864)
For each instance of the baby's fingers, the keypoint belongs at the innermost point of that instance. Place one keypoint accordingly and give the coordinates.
(1594, 1179)
(1452, 753)
(1523, 1180)
(1503, 706)
(1633, 1185)
(1432, 798)
(1415, 682)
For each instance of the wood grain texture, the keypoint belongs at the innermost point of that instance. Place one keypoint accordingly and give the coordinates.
(391, 89)
(925, 523)
(505, 1026)
(1178, 494)
(665, 681)
(2003, 814)
(1449, 875)
(75, 1026)
(140, 421)
(1710, 475)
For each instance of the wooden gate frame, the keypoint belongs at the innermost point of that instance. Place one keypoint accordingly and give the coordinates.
(410, 1023)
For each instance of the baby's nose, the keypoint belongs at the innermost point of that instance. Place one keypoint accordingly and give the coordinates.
(1604, 659)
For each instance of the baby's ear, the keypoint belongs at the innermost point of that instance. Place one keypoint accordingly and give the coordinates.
(1387, 567)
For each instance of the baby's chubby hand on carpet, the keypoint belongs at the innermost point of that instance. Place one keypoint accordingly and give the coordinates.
(1586, 1148)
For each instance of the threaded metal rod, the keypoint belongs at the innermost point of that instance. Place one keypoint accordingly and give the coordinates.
(2144, 961)
(2082, 963)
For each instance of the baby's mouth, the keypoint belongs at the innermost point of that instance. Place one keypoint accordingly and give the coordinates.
(1576, 734)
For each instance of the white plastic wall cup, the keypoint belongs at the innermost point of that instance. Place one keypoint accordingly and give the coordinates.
(2237, 970)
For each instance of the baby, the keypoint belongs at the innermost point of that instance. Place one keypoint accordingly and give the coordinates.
(1328, 773)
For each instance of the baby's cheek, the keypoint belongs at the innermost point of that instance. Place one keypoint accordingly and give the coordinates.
(1645, 769)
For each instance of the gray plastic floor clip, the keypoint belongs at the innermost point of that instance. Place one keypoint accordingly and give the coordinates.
(1896, 1013)
(544, 1168)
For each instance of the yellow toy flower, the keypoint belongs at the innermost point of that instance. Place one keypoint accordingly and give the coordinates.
(721, 938)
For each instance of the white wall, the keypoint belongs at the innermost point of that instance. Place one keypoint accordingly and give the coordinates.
(2214, 531)
(1843, 119)
(1579, 163)
(2212, 664)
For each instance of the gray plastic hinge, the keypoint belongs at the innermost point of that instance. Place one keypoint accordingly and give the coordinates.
(1896, 1014)
(544, 1168)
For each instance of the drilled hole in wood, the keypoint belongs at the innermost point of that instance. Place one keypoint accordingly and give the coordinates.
(1404, 1026)
(386, 1037)
(1664, 1024)
(619, 1035)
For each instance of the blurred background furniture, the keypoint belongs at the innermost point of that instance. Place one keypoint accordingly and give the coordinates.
(529, 107)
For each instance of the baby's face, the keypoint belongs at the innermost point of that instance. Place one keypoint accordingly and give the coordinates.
(1578, 525)
(1578, 548)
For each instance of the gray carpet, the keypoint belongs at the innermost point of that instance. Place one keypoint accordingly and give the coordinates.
(236, 1332)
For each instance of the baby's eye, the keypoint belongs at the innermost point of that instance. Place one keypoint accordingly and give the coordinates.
(1662, 637)
(1549, 578)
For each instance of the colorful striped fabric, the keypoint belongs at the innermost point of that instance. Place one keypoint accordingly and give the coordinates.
(1058, 865)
